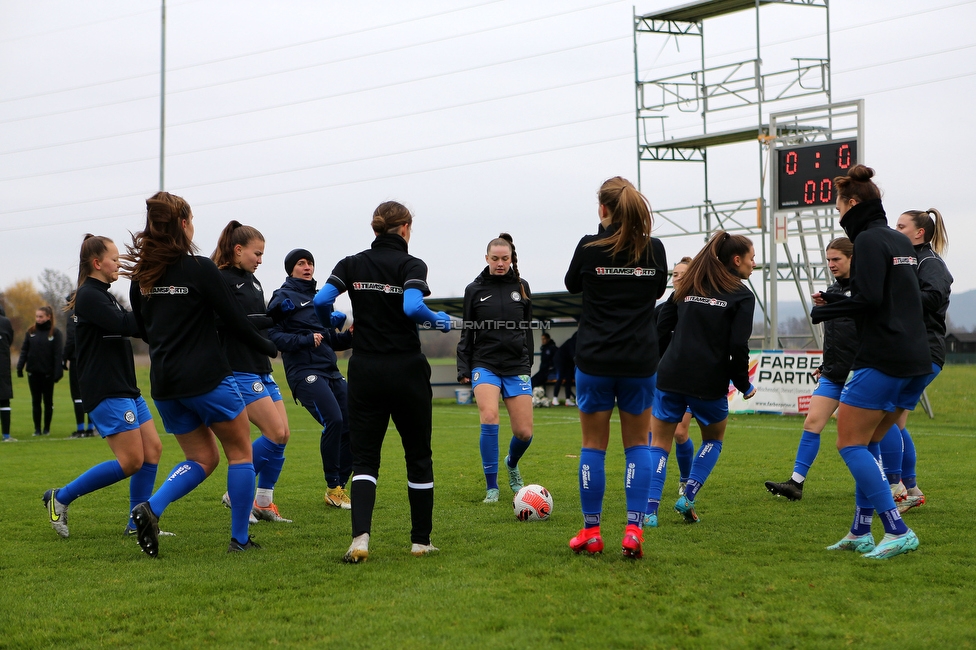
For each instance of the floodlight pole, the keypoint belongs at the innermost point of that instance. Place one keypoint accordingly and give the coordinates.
(162, 100)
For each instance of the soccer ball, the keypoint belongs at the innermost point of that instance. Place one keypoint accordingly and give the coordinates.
(532, 503)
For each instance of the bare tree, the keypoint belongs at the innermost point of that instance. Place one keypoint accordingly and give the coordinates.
(55, 287)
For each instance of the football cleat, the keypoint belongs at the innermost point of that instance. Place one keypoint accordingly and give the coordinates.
(650, 521)
(861, 544)
(268, 514)
(911, 501)
(358, 550)
(681, 488)
(237, 547)
(892, 545)
(9, 439)
(898, 492)
(686, 509)
(338, 497)
(147, 529)
(131, 532)
(419, 550)
(789, 489)
(633, 543)
(587, 540)
(226, 501)
(57, 512)
(514, 477)
(491, 496)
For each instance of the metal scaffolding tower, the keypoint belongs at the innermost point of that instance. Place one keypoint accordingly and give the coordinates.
(744, 91)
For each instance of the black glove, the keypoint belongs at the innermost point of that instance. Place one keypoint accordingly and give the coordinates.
(20, 372)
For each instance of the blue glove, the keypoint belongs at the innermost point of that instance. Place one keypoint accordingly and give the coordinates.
(287, 305)
(443, 322)
(337, 319)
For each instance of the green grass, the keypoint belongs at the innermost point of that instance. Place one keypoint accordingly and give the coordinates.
(752, 574)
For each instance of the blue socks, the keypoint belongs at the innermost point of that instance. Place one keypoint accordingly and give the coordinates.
(517, 449)
(269, 458)
(862, 521)
(592, 485)
(637, 482)
(892, 452)
(659, 472)
(704, 464)
(806, 453)
(95, 478)
(185, 476)
(240, 488)
(141, 485)
(870, 481)
(685, 453)
(489, 454)
(908, 460)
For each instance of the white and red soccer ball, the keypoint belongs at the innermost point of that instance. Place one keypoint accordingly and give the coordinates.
(532, 503)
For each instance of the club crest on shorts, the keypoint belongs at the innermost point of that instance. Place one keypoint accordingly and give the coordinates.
(257, 387)
(476, 376)
(311, 379)
(129, 417)
(516, 296)
(524, 379)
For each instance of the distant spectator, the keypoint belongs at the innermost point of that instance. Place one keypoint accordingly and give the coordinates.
(41, 354)
(6, 384)
(566, 368)
(547, 361)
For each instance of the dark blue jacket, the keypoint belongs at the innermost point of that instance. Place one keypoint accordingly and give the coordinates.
(295, 323)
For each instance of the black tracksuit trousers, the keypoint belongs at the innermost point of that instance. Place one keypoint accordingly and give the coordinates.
(398, 387)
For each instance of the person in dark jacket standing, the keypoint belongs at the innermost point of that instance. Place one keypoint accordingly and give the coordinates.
(890, 367)
(41, 356)
(839, 346)
(621, 272)
(109, 392)
(6, 382)
(70, 355)
(709, 349)
(308, 351)
(565, 371)
(547, 361)
(175, 296)
(926, 230)
(495, 356)
(389, 377)
(240, 250)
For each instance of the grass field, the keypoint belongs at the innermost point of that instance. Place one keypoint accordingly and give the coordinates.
(752, 574)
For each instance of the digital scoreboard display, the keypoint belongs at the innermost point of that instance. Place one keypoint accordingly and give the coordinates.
(805, 174)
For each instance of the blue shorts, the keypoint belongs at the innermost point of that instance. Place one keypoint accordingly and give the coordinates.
(511, 386)
(253, 387)
(829, 389)
(186, 414)
(874, 390)
(117, 414)
(671, 407)
(596, 393)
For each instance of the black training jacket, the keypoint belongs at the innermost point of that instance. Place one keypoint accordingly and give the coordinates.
(885, 300)
(294, 329)
(248, 291)
(376, 279)
(41, 352)
(103, 353)
(935, 282)
(70, 351)
(617, 329)
(496, 333)
(6, 341)
(178, 317)
(666, 316)
(840, 339)
(710, 345)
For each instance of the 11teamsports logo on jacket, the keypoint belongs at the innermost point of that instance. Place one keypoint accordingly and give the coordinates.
(638, 271)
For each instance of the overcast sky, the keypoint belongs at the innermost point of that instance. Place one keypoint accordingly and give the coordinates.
(480, 115)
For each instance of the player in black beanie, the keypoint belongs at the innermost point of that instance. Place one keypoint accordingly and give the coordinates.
(291, 259)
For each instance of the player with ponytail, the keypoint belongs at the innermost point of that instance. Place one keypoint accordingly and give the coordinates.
(709, 349)
(240, 250)
(927, 232)
(496, 358)
(109, 392)
(621, 272)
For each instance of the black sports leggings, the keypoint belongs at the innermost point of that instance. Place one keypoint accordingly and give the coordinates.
(41, 386)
